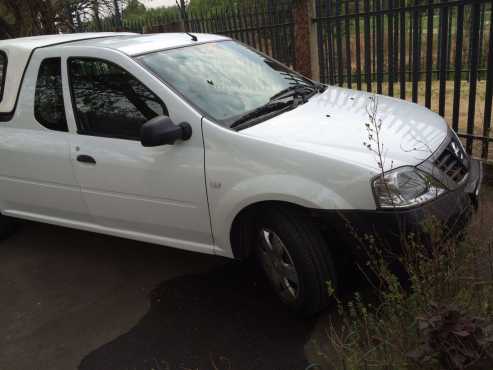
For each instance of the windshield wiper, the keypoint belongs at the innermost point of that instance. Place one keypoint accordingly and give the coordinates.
(261, 111)
(300, 90)
(299, 93)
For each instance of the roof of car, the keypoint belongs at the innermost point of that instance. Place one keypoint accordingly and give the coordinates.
(135, 44)
(33, 42)
(18, 51)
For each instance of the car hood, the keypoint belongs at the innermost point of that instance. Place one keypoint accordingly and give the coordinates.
(334, 124)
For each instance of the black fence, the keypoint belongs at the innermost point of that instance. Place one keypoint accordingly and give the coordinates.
(435, 52)
(438, 53)
(138, 25)
(268, 30)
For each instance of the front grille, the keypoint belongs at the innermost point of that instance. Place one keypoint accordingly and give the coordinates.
(453, 161)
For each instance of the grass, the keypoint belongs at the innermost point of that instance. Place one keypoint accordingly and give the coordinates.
(443, 321)
(429, 302)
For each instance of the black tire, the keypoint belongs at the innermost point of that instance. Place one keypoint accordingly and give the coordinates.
(7, 226)
(309, 253)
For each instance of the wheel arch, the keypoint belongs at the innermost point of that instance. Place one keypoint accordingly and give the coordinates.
(242, 235)
(230, 205)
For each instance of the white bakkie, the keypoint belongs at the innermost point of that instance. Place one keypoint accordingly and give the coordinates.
(200, 143)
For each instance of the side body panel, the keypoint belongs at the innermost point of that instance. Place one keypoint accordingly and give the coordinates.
(159, 192)
(36, 174)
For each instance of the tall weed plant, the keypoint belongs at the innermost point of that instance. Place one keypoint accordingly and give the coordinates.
(431, 302)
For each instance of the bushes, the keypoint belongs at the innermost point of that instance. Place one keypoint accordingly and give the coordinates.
(432, 306)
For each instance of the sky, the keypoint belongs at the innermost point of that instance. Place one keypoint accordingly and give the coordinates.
(156, 3)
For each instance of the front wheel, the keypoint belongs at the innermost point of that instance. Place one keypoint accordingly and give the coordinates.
(296, 259)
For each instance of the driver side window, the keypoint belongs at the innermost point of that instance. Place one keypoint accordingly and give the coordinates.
(109, 101)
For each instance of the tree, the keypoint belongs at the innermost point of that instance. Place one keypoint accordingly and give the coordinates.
(134, 9)
(36, 17)
(21, 18)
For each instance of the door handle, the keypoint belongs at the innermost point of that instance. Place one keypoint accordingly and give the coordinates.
(86, 159)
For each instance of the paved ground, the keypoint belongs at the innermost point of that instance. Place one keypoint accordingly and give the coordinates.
(71, 299)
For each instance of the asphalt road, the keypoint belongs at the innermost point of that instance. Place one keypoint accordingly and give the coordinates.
(76, 300)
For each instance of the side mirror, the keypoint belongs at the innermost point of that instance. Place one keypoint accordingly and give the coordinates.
(162, 131)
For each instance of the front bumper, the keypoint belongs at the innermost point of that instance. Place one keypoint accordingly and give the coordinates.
(452, 211)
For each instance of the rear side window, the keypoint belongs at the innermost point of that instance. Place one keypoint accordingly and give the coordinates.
(3, 72)
(109, 101)
(49, 109)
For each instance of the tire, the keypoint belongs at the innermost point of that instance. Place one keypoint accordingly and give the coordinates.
(7, 226)
(302, 247)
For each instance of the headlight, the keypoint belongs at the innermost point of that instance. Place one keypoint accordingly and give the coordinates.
(405, 187)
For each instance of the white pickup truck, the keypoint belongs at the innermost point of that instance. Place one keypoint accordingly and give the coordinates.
(200, 143)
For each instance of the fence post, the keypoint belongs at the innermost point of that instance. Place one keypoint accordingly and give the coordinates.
(305, 39)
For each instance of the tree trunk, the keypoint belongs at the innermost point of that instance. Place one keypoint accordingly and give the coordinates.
(6, 31)
(68, 15)
(95, 13)
(118, 16)
(184, 17)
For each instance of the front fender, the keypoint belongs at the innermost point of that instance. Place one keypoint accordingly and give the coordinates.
(242, 170)
(281, 188)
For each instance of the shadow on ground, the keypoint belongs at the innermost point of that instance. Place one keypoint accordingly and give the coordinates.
(222, 319)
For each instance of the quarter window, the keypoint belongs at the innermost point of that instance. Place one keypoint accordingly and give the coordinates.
(49, 109)
(109, 101)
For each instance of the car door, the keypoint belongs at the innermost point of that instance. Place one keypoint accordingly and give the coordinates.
(37, 180)
(153, 194)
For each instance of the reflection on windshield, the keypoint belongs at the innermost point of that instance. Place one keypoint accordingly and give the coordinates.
(223, 79)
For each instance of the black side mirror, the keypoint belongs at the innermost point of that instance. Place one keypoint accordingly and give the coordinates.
(162, 131)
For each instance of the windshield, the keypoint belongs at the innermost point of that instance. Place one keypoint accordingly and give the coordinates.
(224, 80)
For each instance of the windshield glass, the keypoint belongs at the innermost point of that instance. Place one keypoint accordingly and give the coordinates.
(224, 79)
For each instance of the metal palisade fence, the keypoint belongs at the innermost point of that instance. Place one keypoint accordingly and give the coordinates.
(137, 25)
(438, 53)
(433, 52)
(268, 30)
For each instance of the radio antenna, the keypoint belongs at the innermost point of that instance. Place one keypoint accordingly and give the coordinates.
(194, 38)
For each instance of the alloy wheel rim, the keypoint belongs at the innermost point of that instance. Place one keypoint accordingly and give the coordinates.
(278, 265)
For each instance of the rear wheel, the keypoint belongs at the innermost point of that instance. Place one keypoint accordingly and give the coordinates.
(296, 259)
